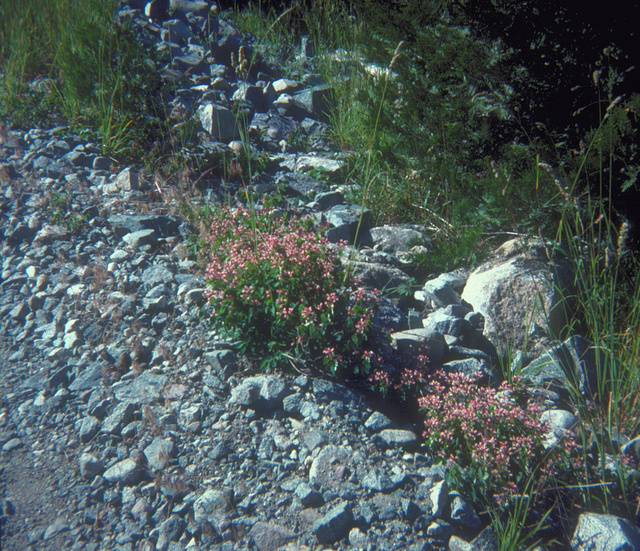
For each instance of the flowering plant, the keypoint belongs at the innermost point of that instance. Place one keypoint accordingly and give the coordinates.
(491, 443)
(280, 292)
(403, 378)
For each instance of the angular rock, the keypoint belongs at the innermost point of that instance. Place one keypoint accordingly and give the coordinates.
(378, 421)
(88, 429)
(573, 361)
(141, 238)
(126, 472)
(464, 514)
(160, 452)
(330, 468)
(170, 530)
(218, 121)
(335, 525)
(399, 438)
(440, 292)
(596, 532)
(144, 389)
(517, 293)
(414, 339)
(90, 466)
(213, 506)
(117, 419)
(269, 536)
(308, 496)
(127, 180)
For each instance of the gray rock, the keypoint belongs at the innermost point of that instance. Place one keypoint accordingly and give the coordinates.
(101, 163)
(330, 468)
(269, 536)
(156, 9)
(308, 496)
(178, 31)
(213, 506)
(89, 378)
(596, 532)
(59, 525)
(335, 525)
(160, 452)
(573, 361)
(358, 539)
(517, 292)
(439, 530)
(90, 466)
(394, 239)
(329, 166)
(260, 392)
(218, 121)
(327, 391)
(126, 472)
(350, 223)
(314, 439)
(378, 421)
(464, 514)
(379, 276)
(127, 180)
(170, 530)
(117, 419)
(471, 367)
(288, 106)
(12, 444)
(141, 238)
(438, 497)
(318, 100)
(440, 292)
(486, 541)
(413, 339)
(559, 421)
(377, 481)
(447, 324)
(165, 226)
(399, 438)
(88, 429)
(144, 389)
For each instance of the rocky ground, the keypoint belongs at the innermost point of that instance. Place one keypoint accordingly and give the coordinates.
(125, 423)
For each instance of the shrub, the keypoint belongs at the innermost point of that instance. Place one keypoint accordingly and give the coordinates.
(490, 442)
(281, 294)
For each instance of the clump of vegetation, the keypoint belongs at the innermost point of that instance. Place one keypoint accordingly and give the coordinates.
(71, 62)
(281, 294)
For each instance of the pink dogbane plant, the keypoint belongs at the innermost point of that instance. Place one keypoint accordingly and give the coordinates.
(279, 290)
(490, 440)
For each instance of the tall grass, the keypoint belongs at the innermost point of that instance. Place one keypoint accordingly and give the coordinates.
(607, 292)
(98, 77)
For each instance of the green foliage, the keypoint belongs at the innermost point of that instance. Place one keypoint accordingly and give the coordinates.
(607, 293)
(63, 212)
(490, 440)
(98, 75)
(281, 295)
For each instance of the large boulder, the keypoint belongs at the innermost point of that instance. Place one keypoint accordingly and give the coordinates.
(519, 291)
(604, 533)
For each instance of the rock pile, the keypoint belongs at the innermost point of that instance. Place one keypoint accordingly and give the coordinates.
(126, 424)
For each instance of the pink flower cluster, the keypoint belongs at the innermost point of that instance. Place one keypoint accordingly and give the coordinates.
(483, 433)
(275, 285)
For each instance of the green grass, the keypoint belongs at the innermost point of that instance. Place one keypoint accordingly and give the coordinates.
(94, 75)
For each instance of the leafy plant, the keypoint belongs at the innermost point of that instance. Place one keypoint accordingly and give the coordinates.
(62, 214)
(279, 292)
(490, 441)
